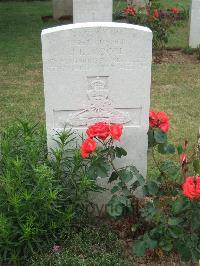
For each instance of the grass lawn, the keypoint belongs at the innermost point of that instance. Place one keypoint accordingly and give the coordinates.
(89, 247)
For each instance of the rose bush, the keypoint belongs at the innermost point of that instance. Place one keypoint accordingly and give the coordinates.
(158, 20)
(170, 211)
(166, 217)
(41, 196)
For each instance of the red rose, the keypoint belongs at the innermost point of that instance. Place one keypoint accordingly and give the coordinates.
(163, 121)
(175, 10)
(155, 13)
(116, 131)
(130, 10)
(159, 120)
(88, 146)
(198, 186)
(153, 119)
(99, 130)
(191, 187)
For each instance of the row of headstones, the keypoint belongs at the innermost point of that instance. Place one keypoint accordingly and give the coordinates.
(101, 10)
(83, 11)
(79, 9)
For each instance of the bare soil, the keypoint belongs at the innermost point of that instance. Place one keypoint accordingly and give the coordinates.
(174, 57)
(152, 258)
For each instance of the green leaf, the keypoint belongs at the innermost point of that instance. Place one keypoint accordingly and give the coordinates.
(180, 149)
(178, 205)
(151, 244)
(161, 148)
(166, 149)
(120, 152)
(151, 140)
(124, 200)
(125, 175)
(115, 189)
(159, 136)
(92, 173)
(195, 253)
(176, 231)
(195, 222)
(137, 174)
(113, 177)
(139, 248)
(196, 166)
(166, 245)
(184, 251)
(152, 187)
(170, 168)
(120, 184)
(114, 208)
(174, 221)
(101, 171)
(126, 192)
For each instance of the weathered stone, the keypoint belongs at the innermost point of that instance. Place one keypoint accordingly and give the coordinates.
(99, 72)
(138, 3)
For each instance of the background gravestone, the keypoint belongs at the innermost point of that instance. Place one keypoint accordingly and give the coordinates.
(138, 3)
(194, 38)
(62, 8)
(92, 10)
(92, 73)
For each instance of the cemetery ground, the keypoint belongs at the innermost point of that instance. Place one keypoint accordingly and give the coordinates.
(175, 90)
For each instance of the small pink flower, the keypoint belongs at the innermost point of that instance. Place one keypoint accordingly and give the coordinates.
(56, 248)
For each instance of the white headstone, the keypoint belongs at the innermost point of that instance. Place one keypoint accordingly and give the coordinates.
(99, 72)
(92, 11)
(62, 8)
(138, 3)
(194, 38)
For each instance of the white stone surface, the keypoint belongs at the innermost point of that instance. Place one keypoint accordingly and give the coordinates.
(99, 72)
(194, 38)
(92, 11)
(62, 8)
(138, 3)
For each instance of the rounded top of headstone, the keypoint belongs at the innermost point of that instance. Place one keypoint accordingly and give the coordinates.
(95, 24)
